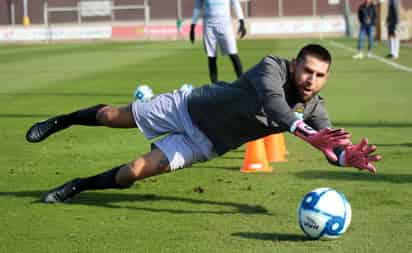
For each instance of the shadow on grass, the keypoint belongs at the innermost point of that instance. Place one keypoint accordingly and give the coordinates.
(230, 157)
(373, 124)
(65, 94)
(218, 167)
(11, 115)
(355, 176)
(272, 236)
(239, 150)
(110, 200)
(402, 145)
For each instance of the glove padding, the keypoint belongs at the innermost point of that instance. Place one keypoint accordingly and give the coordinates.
(192, 33)
(325, 140)
(359, 156)
(242, 28)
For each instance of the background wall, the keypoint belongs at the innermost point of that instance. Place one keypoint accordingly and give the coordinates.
(161, 9)
(270, 13)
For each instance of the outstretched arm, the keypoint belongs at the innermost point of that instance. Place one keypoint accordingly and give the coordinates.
(268, 78)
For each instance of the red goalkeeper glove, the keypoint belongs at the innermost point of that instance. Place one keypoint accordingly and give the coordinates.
(359, 156)
(325, 140)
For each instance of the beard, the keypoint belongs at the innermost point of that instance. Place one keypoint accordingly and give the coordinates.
(305, 95)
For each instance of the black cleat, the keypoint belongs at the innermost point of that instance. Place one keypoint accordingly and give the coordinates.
(43, 129)
(61, 193)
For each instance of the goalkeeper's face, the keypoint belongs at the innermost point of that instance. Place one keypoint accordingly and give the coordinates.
(310, 75)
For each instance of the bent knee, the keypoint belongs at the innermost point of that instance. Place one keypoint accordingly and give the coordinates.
(151, 164)
(115, 117)
(106, 114)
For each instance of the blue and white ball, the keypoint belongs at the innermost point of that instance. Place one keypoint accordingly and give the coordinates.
(143, 93)
(324, 213)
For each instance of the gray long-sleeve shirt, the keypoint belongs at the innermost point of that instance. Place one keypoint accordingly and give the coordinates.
(263, 101)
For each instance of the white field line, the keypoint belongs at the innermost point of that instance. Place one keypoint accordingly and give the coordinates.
(378, 58)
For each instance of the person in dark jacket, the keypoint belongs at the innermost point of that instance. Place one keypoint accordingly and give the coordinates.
(367, 20)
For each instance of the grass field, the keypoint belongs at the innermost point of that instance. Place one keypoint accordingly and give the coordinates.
(236, 212)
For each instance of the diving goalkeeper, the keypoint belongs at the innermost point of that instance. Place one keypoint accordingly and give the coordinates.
(276, 95)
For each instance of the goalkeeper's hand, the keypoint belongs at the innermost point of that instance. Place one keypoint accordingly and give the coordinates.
(192, 33)
(325, 140)
(242, 28)
(360, 156)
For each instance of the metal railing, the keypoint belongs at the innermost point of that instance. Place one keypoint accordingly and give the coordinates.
(54, 11)
(12, 13)
(110, 12)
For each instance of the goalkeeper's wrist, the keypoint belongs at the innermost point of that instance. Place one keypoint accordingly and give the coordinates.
(341, 158)
(341, 155)
(301, 129)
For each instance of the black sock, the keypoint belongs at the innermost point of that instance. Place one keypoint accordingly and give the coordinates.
(86, 117)
(236, 64)
(105, 180)
(212, 69)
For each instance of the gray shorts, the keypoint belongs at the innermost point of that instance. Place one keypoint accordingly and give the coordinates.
(221, 34)
(167, 114)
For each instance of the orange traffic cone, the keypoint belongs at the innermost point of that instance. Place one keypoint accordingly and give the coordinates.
(255, 158)
(275, 147)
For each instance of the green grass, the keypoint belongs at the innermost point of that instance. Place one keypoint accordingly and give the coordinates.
(236, 212)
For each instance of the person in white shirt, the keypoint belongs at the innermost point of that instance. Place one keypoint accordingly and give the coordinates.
(217, 30)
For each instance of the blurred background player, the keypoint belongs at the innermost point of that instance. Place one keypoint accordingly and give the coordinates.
(367, 15)
(217, 30)
(392, 21)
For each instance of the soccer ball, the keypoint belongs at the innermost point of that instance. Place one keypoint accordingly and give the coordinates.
(324, 213)
(143, 93)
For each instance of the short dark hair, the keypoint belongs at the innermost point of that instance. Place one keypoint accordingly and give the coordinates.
(315, 50)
